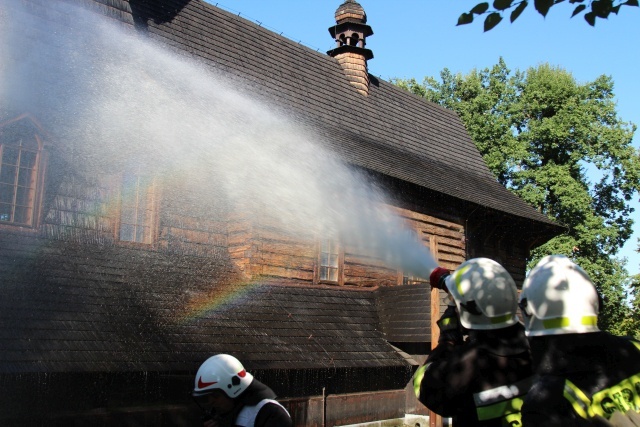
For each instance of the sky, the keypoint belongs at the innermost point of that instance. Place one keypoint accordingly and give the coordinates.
(419, 38)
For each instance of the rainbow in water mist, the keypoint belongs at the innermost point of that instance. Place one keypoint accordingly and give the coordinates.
(121, 102)
(216, 300)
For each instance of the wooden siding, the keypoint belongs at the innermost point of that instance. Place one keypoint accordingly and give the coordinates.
(279, 253)
(261, 246)
(511, 256)
(449, 237)
(87, 211)
(80, 210)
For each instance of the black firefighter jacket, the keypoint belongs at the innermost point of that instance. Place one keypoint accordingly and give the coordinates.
(480, 382)
(582, 377)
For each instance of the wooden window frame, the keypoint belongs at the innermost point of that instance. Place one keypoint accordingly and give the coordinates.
(151, 206)
(37, 178)
(319, 266)
(406, 279)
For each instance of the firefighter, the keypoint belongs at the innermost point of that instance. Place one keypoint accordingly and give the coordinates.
(480, 379)
(585, 375)
(235, 397)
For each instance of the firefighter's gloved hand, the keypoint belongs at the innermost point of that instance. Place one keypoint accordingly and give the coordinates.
(437, 276)
(618, 419)
(449, 324)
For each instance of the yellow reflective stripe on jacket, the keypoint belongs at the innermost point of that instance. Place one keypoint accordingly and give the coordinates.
(577, 398)
(559, 322)
(623, 396)
(503, 402)
(500, 409)
(417, 379)
(620, 397)
(445, 322)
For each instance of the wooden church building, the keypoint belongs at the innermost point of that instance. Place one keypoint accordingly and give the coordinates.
(116, 284)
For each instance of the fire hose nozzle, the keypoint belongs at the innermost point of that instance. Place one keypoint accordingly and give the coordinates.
(437, 278)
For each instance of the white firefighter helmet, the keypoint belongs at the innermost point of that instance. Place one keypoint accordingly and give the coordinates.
(222, 372)
(485, 294)
(558, 297)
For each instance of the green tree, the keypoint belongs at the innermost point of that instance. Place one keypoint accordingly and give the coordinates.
(589, 9)
(633, 321)
(561, 147)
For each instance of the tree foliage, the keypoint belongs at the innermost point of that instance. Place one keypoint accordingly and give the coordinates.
(561, 147)
(591, 10)
(633, 321)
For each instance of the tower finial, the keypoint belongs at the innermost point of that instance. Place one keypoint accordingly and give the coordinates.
(350, 33)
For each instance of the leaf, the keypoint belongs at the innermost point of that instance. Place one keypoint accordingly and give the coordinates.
(480, 8)
(602, 8)
(616, 9)
(465, 18)
(518, 10)
(492, 20)
(631, 3)
(502, 4)
(543, 6)
(578, 9)
(590, 18)
(576, 1)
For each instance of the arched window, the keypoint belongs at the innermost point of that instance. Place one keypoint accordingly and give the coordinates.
(21, 152)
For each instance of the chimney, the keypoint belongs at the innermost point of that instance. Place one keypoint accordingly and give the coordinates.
(350, 33)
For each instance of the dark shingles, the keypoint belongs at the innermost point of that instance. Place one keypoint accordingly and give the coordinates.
(390, 131)
(54, 317)
(405, 313)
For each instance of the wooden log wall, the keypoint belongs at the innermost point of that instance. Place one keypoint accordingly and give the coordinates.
(80, 211)
(87, 211)
(186, 235)
(445, 239)
(501, 241)
(257, 246)
(511, 256)
(282, 254)
(265, 248)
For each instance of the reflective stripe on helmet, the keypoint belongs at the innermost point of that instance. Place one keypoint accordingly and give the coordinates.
(563, 322)
(458, 278)
(500, 319)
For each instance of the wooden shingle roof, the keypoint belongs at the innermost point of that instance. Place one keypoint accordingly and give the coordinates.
(390, 131)
(405, 313)
(108, 308)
